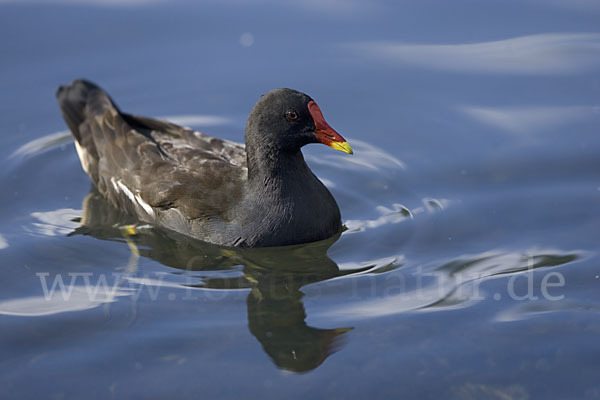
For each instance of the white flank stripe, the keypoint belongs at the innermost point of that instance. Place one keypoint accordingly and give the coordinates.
(126, 190)
(144, 205)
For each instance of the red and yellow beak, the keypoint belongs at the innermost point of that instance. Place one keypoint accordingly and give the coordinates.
(325, 133)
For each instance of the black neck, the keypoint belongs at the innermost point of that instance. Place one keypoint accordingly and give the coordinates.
(271, 165)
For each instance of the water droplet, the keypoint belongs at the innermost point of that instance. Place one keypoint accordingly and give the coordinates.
(247, 39)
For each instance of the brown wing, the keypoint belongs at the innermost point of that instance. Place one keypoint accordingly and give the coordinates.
(145, 166)
(153, 169)
(197, 174)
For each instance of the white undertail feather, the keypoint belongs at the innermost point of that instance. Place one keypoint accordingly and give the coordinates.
(83, 157)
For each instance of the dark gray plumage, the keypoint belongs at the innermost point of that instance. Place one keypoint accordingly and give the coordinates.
(208, 188)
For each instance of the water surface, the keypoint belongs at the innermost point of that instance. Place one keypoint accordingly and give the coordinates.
(469, 264)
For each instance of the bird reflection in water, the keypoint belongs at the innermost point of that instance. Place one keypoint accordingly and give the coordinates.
(276, 314)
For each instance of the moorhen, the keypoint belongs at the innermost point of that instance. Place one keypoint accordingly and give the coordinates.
(211, 189)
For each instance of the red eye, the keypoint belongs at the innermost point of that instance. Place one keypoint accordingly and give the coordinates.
(291, 115)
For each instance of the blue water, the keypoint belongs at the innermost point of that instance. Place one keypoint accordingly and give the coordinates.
(469, 267)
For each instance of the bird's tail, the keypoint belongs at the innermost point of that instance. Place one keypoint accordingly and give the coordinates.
(80, 100)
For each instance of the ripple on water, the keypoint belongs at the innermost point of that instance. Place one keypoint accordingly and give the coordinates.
(441, 286)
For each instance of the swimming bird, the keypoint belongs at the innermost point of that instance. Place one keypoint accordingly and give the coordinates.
(258, 195)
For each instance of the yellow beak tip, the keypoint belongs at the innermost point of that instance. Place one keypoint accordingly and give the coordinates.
(342, 146)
